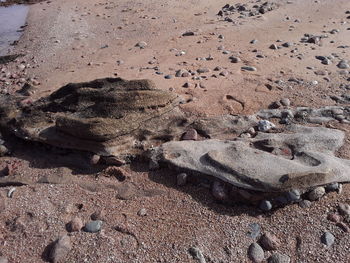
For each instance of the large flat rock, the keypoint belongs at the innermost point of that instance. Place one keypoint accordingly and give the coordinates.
(300, 157)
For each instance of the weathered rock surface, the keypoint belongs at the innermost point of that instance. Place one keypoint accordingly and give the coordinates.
(302, 157)
(109, 117)
(60, 249)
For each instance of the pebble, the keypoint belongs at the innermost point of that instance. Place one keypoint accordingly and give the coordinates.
(256, 253)
(203, 70)
(285, 102)
(181, 179)
(293, 196)
(197, 254)
(278, 258)
(168, 76)
(287, 44)
(141, 44)
(181, 73)
(343, 227)
(93, 226)
(316, 193)
(3, 260)
(235, 59)
(269, 241)
(224, 73)
(265, 205)
(254, 231)
(3, 150)
(10, 192)
(95, 159)
(248, 68)
(334, 186)
(75, 225)
(254, 41)
(344, 209)
(327, 238)
(333, 217)
(190, 135)
(186, 85)
(305, 204)
(218, 191)
(343, 64)
(188, 33)
(98, 215)
(274, 46)
(60, 249)
(142, 212)
(264, 125)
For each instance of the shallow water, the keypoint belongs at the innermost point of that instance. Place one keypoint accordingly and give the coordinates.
(11, 19)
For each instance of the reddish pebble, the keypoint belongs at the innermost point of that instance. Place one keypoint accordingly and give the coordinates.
(75, 225)
(343, 227)
(333, 217)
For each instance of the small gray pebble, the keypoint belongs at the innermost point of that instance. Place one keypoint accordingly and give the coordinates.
(265, 205)
(196, 253)
(285, 102)
(293, 196)
(327, 238)
(278, 258)
(332, 187)
(248, 68)
(256, 253)
(168, 76)
(93, 226)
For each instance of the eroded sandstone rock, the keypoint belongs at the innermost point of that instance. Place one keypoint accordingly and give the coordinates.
(299, 158)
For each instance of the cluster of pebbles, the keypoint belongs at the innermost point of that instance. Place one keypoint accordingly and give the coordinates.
(246, 10)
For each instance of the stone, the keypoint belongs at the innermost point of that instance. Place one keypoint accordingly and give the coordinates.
(248, 68)
(109, 128)
(254, 41)
(269, 241)
(305, 204)
(343, 64)
(188, 33)
(343, 227)
(218, 191)
(168, 76)
(265, 205)
(142, 212)
(98, 215)
(246, 163)
(181, 179)
(197, 254)
(93, 226)
(265, 125)
(254, 230)
(203, 70)
(316, 193)
(235, 59)
(256, 253)
(75, 225)
(274, 46)
(60, 249)
(3, 150)
(191, 134)
(141, 44)
(327, 239)
(278, 258)
(344, 209)
(95, 159)
(332, 187)
(333, 217)
(287, 44)
(285, 102)
(3, 260)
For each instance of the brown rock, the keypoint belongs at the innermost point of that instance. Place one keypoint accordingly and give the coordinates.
(333, 217)
(269, 241)
(343, 227)
(75, 225)
(98, 215)
(60, 249)
(190, 135)
(117, 172)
